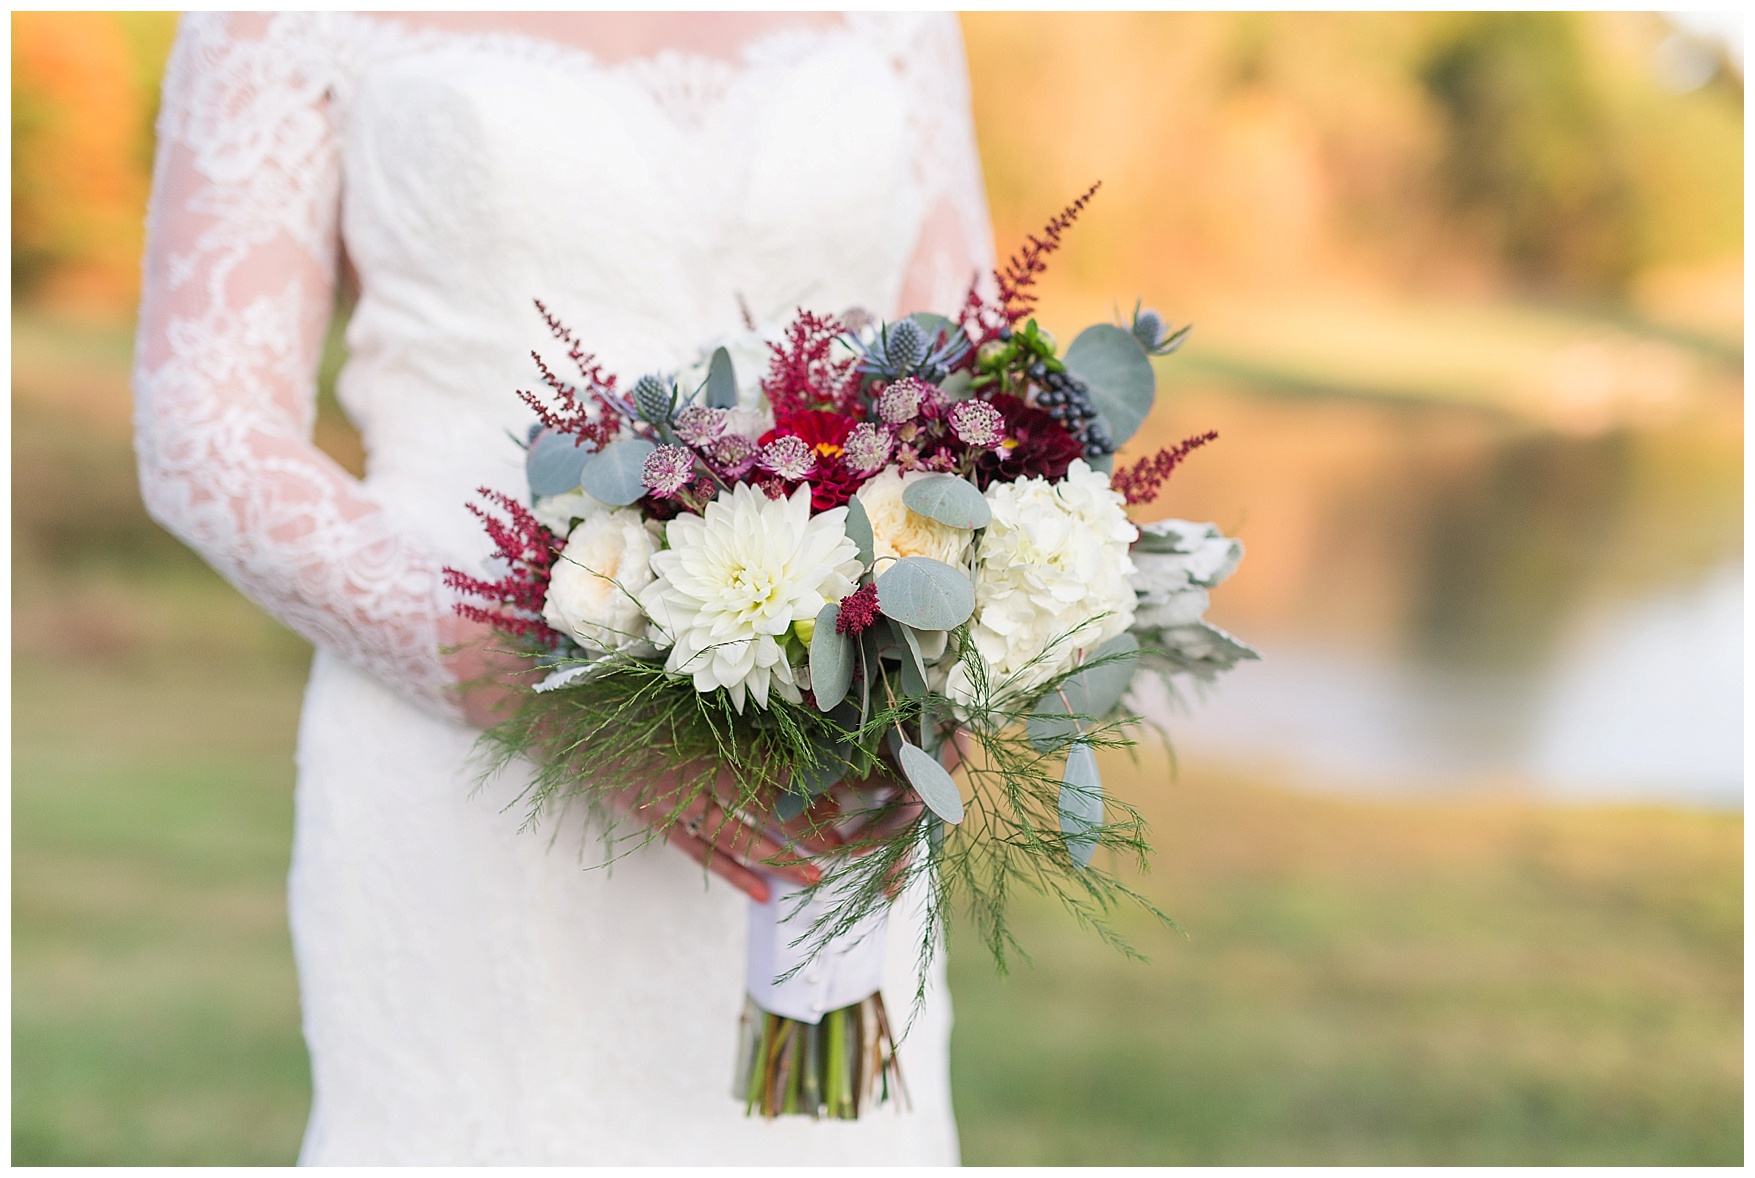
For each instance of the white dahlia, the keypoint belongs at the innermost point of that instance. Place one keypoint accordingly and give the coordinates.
(1054, 557)
(898, 531)
(733, 582)
(594, 587)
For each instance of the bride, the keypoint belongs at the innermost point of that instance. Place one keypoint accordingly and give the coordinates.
(473, 993)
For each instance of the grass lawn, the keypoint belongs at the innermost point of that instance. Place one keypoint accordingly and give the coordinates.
(1361, 983)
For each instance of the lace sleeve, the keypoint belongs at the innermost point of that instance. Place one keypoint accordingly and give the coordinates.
(956, 238)
(239, 276)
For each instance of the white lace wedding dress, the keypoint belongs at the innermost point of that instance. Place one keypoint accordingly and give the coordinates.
(471, 992)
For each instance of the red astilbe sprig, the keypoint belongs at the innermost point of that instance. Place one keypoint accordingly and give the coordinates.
(802, 376)
(858, 612)
(514, 601)
(982, 318)
(1141, 482)
(574, 412)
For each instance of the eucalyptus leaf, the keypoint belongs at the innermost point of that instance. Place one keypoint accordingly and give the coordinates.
(859, 530)
(926, 594)
(948, 499)
(1091, 693)
(1110, 360)
(613, 475)
(929, 779)
(831, 659)
(913, 666)
(932, 323)
(935, 833)
(721, 381)
(1081, 803)
(958, 386)
(553, 462)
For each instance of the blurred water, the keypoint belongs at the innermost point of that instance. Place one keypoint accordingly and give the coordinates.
(1460, 605)
(1646, 701)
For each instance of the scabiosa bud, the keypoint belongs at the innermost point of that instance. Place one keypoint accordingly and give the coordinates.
(667, 470)
(858, 611)
(788, 457)
(901, 401)
(698, 424)
(904, 346)
(977, 424)
(867, 448)
(653, 398)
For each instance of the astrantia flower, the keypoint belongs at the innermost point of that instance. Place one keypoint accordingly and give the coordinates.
(596, 580)
(732, 454)
(789, 457)
(735, 579)
(698, 424)
(832, 480)
(1054, 557)
(902, 400)
(667, 470)
(867, 448)
(898, 531)
(977, 424)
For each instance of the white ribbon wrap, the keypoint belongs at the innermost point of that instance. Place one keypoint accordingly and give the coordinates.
(848, 969)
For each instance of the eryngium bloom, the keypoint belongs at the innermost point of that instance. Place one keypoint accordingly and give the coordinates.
(733, 582)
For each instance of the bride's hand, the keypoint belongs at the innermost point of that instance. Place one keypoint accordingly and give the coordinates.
(850, 817)
(490, 680)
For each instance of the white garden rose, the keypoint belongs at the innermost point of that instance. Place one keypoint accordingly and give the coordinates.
(557, 512)
(898, 531)
(733, 582)
(1051, 581)
(594, 588)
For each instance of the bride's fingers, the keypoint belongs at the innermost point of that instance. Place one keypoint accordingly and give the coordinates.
(812, 833)
(720, 864)
(884, 821)
(897, 876)
(706, 821)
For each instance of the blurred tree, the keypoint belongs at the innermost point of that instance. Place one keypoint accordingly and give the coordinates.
(83, 97)
(1531, 155)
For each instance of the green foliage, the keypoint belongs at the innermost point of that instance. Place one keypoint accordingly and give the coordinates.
(951, 501)
(1115, 367)
(634, 737)
(926, 594)
(612, 475)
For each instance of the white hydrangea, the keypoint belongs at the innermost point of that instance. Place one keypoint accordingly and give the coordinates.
(1054, 557)
(733, 582)
(898, 531)
(593, 590)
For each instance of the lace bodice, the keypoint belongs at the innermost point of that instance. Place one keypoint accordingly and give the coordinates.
(465, 174)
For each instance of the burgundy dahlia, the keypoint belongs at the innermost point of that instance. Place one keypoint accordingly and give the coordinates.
(1035, 445)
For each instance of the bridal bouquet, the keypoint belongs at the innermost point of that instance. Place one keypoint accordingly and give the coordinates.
(871, 577)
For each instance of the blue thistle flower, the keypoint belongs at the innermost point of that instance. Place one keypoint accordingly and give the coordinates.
(904, 349)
